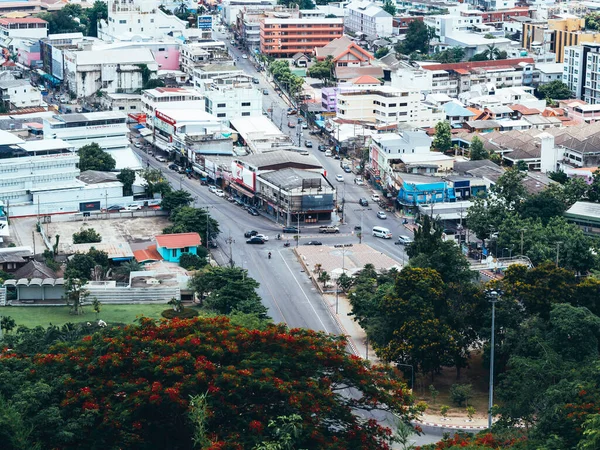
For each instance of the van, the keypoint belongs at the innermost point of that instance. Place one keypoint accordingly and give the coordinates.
(381, 232)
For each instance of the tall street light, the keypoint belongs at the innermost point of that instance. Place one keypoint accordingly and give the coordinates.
(493, 295)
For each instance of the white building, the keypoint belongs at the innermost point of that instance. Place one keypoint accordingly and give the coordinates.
(387, 105)
(481, 97)
(233, 96)
(449, 23)
(368, 18)
(138, 20)
(125, 103)
(261, 135)
(112, 71)
(20, 94)
(195, 54)
(548, 72)
(204, 75)
(27, 27)
(231, 8)
(40, 178)
(175, 98)
(582, 71)
(107, 129)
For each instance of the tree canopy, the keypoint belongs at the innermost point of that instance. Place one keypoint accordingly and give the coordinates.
(442, 140)
(187, 219)
(417, 39)
(132, 387)
(555, 90)
(175, 199)
(92, 157)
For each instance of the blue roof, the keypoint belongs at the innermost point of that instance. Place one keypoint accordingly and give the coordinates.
(453, 109)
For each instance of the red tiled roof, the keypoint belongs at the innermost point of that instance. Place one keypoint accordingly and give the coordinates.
(524, 110)
(8, 21)
(178, 240)
(147, 254)
(365, 79)
(477, 64)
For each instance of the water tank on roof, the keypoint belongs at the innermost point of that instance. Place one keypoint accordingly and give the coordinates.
(523, 52)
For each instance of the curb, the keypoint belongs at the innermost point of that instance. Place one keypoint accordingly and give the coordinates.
(453, 427)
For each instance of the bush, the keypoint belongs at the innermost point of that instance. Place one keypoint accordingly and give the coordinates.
(185, 313)
(89, 236)
(461, 393)
(189, 261)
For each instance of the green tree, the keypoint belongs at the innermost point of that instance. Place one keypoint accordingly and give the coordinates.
(381, 52)
(80, 266)
(591, 431)
(477, 150)
(76, 295)
(189, 261)
(389, 7)
(92, 157)
(86, 236)
(98, 11)
(592, 21)
(154, 83)
(451, 55)
(7, 324)
(175, 199)
(323, 70)
(123, 270)
(324, 277)
(186, 219)
(556, 90)
(544, 206)
(127, 177)
(442, 140)
(461, 393)
(155, 182)
(344, 282)
(417, 39)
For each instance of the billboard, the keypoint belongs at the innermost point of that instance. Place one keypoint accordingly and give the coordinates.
(57, 63)
(89, 206)
(205, 22)
(243, 176)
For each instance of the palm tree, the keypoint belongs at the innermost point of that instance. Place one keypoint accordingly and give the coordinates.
(324, 278)
(124, 270)
(492, 52)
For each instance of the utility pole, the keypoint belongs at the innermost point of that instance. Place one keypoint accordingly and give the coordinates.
(230, 241)
(493, 296)
(557, 251)
(522, 230)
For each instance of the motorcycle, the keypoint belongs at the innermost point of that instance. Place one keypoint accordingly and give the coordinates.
(287, 244)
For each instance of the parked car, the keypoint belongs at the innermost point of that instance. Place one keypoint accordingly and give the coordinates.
(336, 156)
(403, 240)
(322, 148)
(112, 209)
(308, 144)
(314, 243)
(375, 197)
(137, 145)
(180, 169)
(255, 240)
(212, 189)
(249, 234)
(328, 229)
(291, 125)
(219, 193)
(304, 126)
(291, 111)
(363, 202)
(381, 215)
(328, 153)
(133, 207)
(339, 178)
(347, 169)
(173, 166)
(265, 92)
(291, 230)
(264, 237)
(244, 56)
(253, 212)
(255, 80)
(359, 181)
(160, 158)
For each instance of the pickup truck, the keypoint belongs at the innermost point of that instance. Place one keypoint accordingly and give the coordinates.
(327, 229)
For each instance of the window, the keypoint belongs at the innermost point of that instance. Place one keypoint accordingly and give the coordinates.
(221, 115)
(245, 114)
(174, 253)
(221, 105)
(121, 108)
(245, 103)
(122, 21)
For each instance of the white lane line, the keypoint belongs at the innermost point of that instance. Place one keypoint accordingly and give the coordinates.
(304, 293)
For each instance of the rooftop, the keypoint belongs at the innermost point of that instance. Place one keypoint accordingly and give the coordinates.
(95, 177)
(280, 157)
(6, 84)
(121, 56)
(148, 254)
(178, 240)
(478, 64)
(308, 21)
(10, 21)
(584, 209)
(292, 178)
(87, 117)
(45, 144)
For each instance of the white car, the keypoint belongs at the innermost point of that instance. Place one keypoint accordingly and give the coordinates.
(359, 181)
(263, 237)
(137, 145)
(212, 189)
(328, 153)
(381, 215)
(339, 178)
(219, 193)
(161, 159)
(375, 197)
(245, 56)
(132, 207)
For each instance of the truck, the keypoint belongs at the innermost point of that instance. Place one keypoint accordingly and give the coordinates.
(329, 229)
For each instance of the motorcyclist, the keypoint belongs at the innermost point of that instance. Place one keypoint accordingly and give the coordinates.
(269, 255)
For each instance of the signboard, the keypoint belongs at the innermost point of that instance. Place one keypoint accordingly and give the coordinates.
(57, 63)
(89, 206)
(205, 22)
(164, 118)
(242, 176)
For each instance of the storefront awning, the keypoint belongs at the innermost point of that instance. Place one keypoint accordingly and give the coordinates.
(242, 190)
(145, 132)
(139, 126)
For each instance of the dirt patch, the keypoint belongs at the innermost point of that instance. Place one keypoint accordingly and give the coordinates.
(134, 230)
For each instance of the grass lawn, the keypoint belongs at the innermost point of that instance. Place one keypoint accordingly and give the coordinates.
(32, 316)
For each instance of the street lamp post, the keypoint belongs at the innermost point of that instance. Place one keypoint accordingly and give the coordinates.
(557, 251)
(493, 295)
(337, 286)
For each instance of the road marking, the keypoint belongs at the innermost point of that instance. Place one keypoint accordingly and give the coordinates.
(304, 293)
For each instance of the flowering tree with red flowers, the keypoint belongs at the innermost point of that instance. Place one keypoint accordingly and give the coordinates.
(131, 388)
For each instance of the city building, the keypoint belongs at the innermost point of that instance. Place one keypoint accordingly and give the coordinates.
(172, 246)
(138, 20)
(581, 71)
(19, 94)
(52, 54)
(175, 98)
(126, 103)
(165, 50)
(197, 54)
(108, 129)
(554, 35)
(112, 71)
(203, 75)
(231, 8)
(260, 135)
(387, 105)
(548, 72)
(41, 178)
(25, 27)
(350, 60)
(368, 18)
(247, 26)
(233, 96)
(281, 38)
